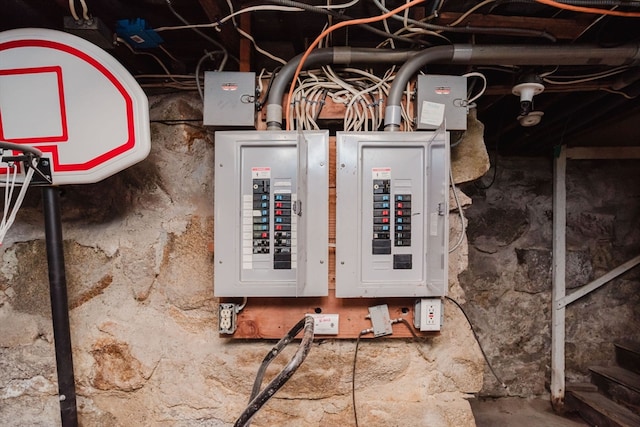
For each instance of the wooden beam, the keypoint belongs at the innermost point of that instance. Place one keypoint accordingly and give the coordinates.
(592, 153)
(566, 29)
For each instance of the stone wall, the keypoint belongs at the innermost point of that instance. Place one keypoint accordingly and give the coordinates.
(143, 316)
(508, 282)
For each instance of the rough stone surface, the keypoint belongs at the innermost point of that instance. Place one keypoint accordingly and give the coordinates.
(143, 316)
(508, 282)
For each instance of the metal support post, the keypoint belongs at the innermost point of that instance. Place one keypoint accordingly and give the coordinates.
(59, 307)
(559, 276)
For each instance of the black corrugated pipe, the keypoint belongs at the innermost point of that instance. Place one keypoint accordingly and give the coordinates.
(504, 55)
(324, 56)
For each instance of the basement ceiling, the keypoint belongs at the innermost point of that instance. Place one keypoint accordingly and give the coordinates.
(582, 105)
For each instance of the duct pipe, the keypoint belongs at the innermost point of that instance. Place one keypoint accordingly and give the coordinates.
(505, 55)
(335, 55)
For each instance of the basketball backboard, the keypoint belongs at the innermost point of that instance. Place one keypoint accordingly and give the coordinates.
(74, 102)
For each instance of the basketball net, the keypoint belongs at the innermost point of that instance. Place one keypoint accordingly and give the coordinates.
(9, 181)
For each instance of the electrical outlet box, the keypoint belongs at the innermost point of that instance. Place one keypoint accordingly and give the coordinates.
(392, 214)
(271, 214)
(227, 318)
(380, 320)
(441, 98)
(229, 98)
(428, 314)
(325, 324)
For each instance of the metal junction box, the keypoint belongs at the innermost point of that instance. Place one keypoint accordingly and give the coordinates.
(441, 97)
(229, 98)
(271, 213)
(392, 214)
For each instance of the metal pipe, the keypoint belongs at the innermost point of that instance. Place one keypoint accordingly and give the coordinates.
(59, 307)
(335, 55)
(506, 55)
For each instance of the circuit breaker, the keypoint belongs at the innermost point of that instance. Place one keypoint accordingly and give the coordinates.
(392, 214)
(271, 213)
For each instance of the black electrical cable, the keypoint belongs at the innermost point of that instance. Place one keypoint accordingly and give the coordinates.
(475, 335)
(353, 376)
(261, 102)
(343, 17)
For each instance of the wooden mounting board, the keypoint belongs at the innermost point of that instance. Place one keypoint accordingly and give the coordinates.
(272, 318)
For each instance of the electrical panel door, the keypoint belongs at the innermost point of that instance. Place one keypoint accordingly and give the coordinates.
(271, 213)
(392, 214)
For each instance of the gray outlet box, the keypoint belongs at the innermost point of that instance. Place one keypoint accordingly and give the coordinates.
(392, 214)
(229, 98)
(441, 97)
(271, 214)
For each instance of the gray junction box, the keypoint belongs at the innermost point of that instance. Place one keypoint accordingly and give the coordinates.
(271, 213)
(441, 97)
(229, 98)
(392, 214)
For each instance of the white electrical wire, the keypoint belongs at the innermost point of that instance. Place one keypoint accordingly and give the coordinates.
(463, 226)
(484, 85)
(339, 6)
(230, 16)
(586, 77)
(72, 9)
(469, 12)
(85, 10)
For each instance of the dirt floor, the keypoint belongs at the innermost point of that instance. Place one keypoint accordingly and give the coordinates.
(520, 412)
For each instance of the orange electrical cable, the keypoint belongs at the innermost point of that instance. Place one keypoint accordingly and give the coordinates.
(327, 31)
(589, 9)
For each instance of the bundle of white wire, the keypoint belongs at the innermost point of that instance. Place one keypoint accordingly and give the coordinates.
(360, 91)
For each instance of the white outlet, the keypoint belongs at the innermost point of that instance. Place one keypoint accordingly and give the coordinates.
(428, 314)
(226, 318)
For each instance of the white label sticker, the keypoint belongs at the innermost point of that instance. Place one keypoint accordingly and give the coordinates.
(433, 224)
(432, 113)
(381, 173)
(261, 173)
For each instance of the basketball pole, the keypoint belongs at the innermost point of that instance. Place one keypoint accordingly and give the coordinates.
(59, 306)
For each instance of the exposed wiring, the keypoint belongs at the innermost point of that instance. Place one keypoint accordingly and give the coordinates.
(230, 16)
(470, 11)
(484, 85)
(475, 335)
(173, 58)
(585, 78)
(85, 10)
(205, 57)
(525, 32)
(339, 6)
(329, 30)
(149, 54)
(251, 39)
(463, 226)
(583, 9)
(72, 9)
(618, 92)
(197, 31)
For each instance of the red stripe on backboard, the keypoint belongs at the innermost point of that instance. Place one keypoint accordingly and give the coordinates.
(109, 155)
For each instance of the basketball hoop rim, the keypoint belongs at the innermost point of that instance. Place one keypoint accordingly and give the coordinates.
(20, 147)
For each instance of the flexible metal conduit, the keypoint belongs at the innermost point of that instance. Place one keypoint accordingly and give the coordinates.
(504, 55)
(324, 56)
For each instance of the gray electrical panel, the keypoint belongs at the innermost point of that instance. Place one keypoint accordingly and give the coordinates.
(392, 214)
(441, 98)
(229, 98)
(271, 213)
